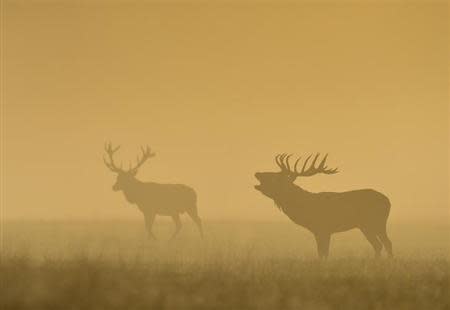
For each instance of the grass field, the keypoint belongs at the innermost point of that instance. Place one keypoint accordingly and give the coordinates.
(239, 265)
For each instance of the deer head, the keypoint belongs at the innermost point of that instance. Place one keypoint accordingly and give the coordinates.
(272, 181)
(125, 177)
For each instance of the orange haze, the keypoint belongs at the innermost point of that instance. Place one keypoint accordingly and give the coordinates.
(217, 89)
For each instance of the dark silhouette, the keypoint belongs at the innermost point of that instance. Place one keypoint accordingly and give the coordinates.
(154, 198)
(326, 213)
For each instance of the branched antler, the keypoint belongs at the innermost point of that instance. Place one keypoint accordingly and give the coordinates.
(282, 161)
(146, 154)
(110, 151)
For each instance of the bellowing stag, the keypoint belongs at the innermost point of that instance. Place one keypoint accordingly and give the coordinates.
(326, 213)
(153, 198)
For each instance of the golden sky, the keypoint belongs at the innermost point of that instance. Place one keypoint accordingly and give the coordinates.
(217, 89)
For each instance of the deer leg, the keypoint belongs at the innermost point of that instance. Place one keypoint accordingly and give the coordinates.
(197, 221)
(149, 219)
(373, 240)
(323, 244)
(386, 242)
(176, 219)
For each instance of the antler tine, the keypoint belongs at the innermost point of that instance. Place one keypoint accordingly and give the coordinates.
(287, 162)
(110, 151)
(282, 161)
(305, 163)
(324, 169)
(313, 164)
(322, 163)
(277, 161)
(146, 154)
(312, 170)
(295, 165)
(285, 166)
(107, 164)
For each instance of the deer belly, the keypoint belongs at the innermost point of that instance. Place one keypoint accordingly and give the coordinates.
(333, 218)
(169, 205)
(349, 217)
(169, 211)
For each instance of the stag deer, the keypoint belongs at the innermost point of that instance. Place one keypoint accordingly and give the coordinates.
(326, 213)
(153, 198)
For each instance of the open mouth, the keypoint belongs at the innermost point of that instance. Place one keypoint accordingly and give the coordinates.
(258, 186)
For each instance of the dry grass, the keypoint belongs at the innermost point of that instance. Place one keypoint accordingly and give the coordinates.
(239, 266)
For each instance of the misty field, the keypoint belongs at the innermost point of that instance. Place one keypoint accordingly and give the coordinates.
(239, 265)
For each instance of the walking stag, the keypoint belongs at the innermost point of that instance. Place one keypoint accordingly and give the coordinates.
(153, 198)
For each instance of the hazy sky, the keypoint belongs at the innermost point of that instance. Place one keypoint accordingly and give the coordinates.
(217, 89)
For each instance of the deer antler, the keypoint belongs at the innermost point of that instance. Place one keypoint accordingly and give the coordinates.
(146, 154)
(110, 151)
(282, 161)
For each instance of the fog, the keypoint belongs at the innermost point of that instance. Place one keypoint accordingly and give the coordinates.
(217, 91)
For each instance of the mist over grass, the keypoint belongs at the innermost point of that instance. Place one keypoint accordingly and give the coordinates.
(239, 265)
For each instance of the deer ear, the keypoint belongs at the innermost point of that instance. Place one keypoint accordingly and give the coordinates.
(292, 177)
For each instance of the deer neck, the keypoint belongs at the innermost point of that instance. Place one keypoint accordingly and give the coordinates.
(132, 190)
(291, 196)
(297, 204)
